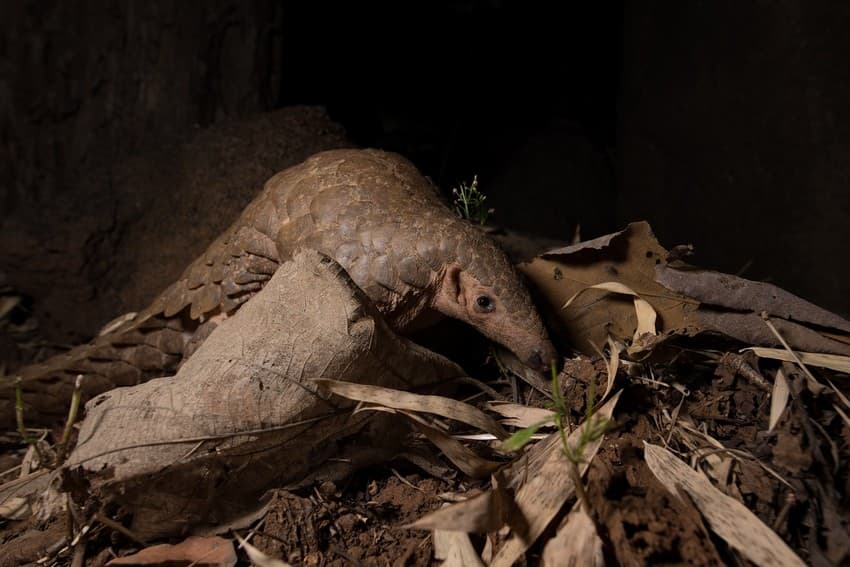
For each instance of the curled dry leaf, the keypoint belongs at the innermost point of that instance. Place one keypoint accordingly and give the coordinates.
(242, 415)
(398, 399)
(727, 517)
(644, 311)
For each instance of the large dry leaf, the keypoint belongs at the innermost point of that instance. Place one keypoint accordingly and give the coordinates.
(577, 543)
(243, 415)
(727, 517)
(199, 551)
(543, 484)
(738, 294)
(628, 257)
(687, 300)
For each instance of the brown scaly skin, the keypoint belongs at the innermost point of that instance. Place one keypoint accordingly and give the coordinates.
(372, 212)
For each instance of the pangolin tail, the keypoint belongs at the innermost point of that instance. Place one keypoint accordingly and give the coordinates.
(135, 352)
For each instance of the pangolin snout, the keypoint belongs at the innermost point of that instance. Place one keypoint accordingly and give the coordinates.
(541, 359)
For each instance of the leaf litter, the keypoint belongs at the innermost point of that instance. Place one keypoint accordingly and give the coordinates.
(712, 457)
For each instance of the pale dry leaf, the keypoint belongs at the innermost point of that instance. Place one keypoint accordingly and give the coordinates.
(645, 313)
(543, 486)
(199, 551)
(831, 361)
(259, 558)
(576, 544)
(116, 323)
(517, 415)
(15, 508)
(727, 517)
(480, 514)
(401, 400)
(778, 398)
(454, 549)
(613, 366)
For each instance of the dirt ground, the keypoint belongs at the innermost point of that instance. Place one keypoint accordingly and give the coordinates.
(794, 478)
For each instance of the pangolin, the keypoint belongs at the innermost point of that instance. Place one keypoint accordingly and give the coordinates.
(371, 211)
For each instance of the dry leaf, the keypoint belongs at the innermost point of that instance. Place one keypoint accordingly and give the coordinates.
(517, 415)
(576, 544)
(832, 361)
(455, 549)
(482, 513)
(644, 312)
(198, 551)
(778, 398)
(686, 300)
(612, 365)
(727, 517)
(401, 400)
(628, 257)
(259, 558)
(242, 415)
(738, 294)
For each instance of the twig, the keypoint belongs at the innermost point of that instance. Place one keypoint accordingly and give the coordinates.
(73, 411)
(118, 527)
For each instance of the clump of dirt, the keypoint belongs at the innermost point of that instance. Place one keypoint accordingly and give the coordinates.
(358, 523)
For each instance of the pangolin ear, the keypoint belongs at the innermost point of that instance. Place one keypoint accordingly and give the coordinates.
(452, 284)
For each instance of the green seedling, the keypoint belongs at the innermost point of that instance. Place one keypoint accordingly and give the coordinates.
(593, 429)
(469, 202)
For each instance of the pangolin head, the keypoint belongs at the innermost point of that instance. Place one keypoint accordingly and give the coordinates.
(482, 287)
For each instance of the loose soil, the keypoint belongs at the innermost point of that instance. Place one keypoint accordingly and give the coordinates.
(794, 478)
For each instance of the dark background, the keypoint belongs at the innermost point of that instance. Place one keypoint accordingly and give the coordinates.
(132, 132)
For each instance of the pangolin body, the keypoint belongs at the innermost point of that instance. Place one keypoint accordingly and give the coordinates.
(371, 211)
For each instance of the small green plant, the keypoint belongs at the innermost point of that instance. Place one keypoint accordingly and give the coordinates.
(593, 428)
(469, 202)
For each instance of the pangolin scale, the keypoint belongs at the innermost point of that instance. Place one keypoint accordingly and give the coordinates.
(371, 211)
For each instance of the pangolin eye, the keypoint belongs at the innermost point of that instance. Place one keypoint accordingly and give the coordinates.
(484, 303)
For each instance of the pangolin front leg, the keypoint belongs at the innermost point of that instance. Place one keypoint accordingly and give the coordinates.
(371, 211)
